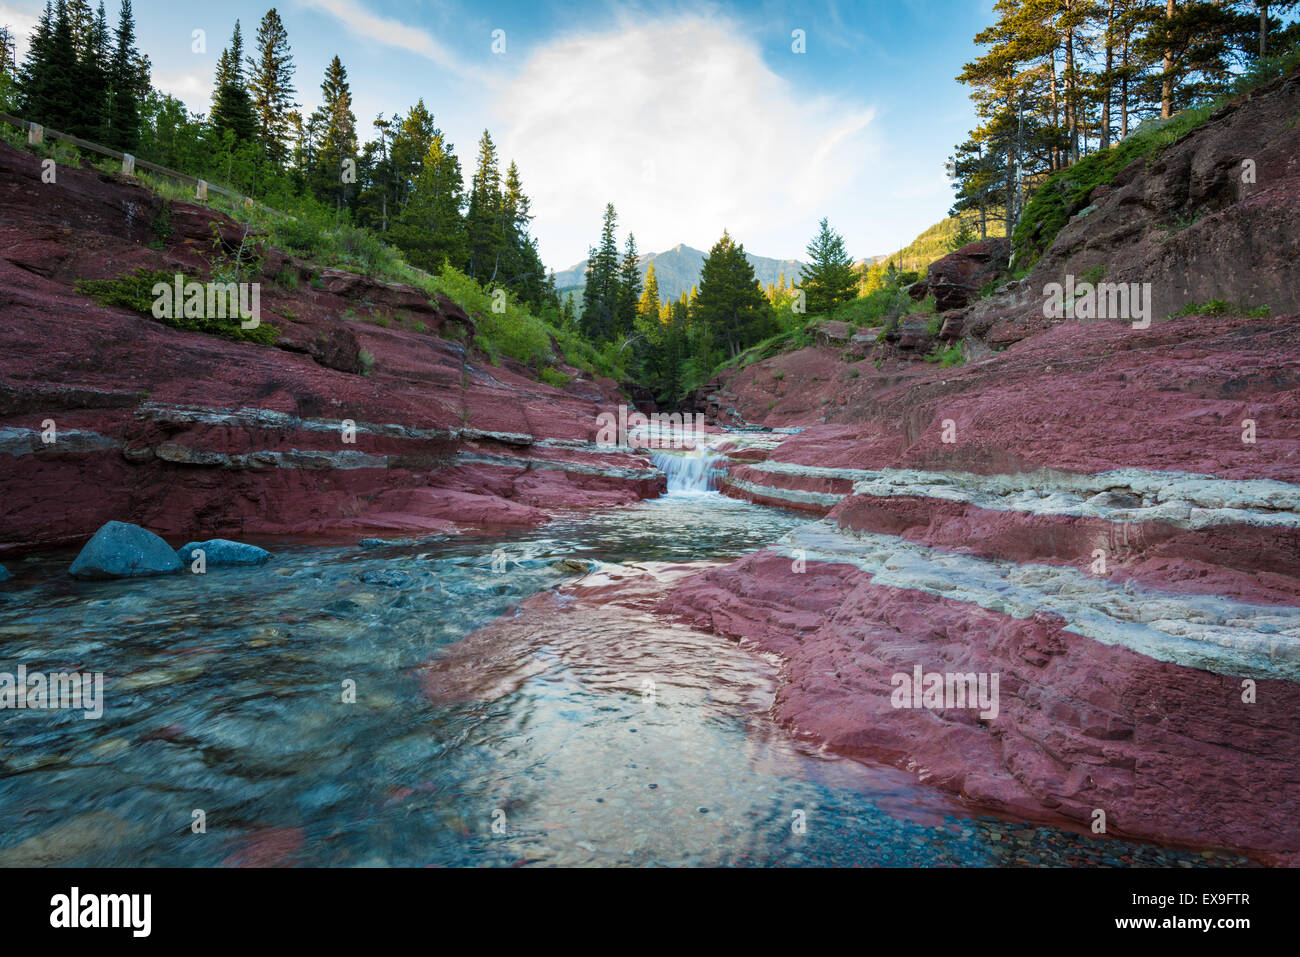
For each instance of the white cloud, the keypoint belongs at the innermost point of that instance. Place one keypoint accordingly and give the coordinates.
(193, 89)
(686, 130)
(20, 24)
(404, 36)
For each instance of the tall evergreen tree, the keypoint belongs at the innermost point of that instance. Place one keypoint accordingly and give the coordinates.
(484, 219)
(8, 53)
(126, 85)
(730, 306)
(35, 92)
(430, 228)
(337, 142)
(600, 295)
(270, 81)
(648, 306)
(522, 270)
(411, 141)
(89, 70)
(232, 104)
(828, 279)
(629, 286)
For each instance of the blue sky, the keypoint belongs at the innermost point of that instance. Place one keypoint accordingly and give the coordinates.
(690, 118)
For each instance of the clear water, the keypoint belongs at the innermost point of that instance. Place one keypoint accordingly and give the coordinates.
(224, 694)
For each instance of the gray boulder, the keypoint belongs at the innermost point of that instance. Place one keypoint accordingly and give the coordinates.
(222, 551)
(119, 550)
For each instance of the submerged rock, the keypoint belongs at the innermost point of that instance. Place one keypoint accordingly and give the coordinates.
(572, 566)
(5, 574)
(222, 551)
(119, 550)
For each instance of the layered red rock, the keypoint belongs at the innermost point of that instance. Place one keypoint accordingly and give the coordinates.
(1169, 753)
(195, 436)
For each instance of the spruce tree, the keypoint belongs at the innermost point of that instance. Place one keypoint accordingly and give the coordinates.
(522, 270)
(125, 85)
(483, 221)
(89, 70)
(730, 307)
(430, 228)
(648, 307)
(629, 286)
(411, 141)
(600, 295)
(270, 82)
(828, 278)
(337, 142)
(232, 105)
(34, 85)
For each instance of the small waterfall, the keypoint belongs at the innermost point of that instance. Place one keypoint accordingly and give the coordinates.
(694, 471)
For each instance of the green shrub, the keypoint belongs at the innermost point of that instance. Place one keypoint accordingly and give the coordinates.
(1221, 307)
(553, 376)
(948, 357)
(134, 291)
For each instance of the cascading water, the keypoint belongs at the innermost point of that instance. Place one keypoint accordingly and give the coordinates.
(691, 472)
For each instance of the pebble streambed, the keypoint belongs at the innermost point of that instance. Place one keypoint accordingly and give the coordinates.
(224, 694)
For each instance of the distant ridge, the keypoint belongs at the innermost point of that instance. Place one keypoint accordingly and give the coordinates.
(678, 269)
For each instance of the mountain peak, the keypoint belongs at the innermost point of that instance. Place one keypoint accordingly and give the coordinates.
(678, 269)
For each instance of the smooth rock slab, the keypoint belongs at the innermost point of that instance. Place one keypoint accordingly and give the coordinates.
(222, 551)
(119, 550)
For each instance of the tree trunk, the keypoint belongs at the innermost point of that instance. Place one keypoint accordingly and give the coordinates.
(1167, 81)
(1107, 83)
(1123, 91)
(1263, 28)
(1071, 98)
(1011, 191)
(1056, 119)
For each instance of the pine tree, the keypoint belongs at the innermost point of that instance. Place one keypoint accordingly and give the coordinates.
(270, 81)
(522, 269)
(483, 221)
(411, 141)
(648, 306)
(828, 278)
(8, 53)
(337, 141)
(430, 228)
(600, 295)
(232, 105)
(125, 85)
(730, 307)
(89, 70)
(48, 83)
(629, 287)
(34, 81)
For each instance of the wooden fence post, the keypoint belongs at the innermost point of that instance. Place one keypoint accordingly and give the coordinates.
(128, 164)
(201, 193)
(35, 134)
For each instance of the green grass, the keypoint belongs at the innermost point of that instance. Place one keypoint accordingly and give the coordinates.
(1221, 307)
(554, 377)
(948, 357)
(134, 291)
